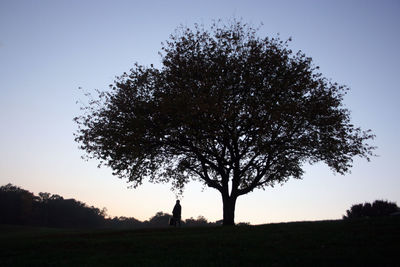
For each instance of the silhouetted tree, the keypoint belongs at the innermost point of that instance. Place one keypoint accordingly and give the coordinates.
(19, 206)
(243, 224)
(200, 221)
(378, 208)
(228, 108)
(124, 222)
(160, 219)
(71, 213)
(15, 205)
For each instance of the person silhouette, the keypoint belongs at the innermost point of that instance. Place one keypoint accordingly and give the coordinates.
(176, 213)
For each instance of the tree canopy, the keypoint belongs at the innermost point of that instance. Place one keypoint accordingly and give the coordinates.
(228, 108)
(379, 208)
(19, 206)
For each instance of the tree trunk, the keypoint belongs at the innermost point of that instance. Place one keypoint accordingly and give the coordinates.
(229, 210)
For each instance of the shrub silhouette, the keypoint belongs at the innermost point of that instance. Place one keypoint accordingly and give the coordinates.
(378, 208)
(200, 221)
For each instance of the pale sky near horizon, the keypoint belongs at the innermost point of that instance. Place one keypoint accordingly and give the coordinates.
(50, 48)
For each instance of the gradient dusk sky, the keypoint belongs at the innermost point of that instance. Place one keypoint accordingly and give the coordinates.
(50, 48)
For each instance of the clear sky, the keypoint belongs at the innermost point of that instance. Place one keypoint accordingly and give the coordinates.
(50, 48)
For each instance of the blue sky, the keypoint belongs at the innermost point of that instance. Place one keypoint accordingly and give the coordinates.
(50, 48)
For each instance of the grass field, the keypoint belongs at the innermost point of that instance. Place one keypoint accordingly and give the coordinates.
(373, 242)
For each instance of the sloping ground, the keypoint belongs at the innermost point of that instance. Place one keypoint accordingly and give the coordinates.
(373, 242)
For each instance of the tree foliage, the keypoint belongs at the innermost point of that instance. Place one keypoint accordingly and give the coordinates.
(378, 208)
(228, 108)
(19, 206)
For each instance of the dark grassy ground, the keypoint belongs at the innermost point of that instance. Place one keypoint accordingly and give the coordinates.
(374, 242)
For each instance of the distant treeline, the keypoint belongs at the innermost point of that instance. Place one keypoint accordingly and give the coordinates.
(19, 206)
